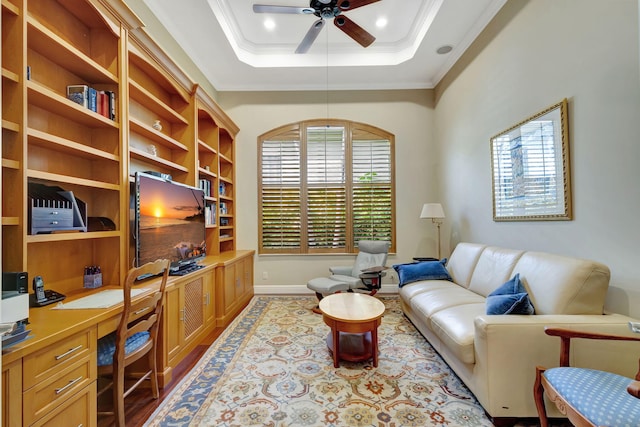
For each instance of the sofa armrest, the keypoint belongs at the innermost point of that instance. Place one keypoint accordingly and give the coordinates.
(525, 335)
(508, 348)
(341, 270)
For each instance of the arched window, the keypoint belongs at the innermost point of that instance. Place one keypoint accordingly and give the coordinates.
(324, 186)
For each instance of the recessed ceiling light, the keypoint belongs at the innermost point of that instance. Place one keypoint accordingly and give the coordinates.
(381, 22)
(269, 24)
(444, 49)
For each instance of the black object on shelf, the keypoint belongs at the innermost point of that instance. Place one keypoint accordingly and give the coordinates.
(50, 297)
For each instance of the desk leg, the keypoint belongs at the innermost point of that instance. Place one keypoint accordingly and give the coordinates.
(336, 347)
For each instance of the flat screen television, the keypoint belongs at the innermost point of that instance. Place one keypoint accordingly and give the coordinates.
(169, 222)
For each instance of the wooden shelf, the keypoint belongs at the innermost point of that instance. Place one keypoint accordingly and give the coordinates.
(43, 139)
(225, 158)
(150, 101)
(10, 220)
(10, 164)
(139, 154)
(10, 7)
(49, 100)
(206, 147)
(204, 172)
(51, 46)
(63, 236)
(10, 75)
(157, 136)
(12, 126)
(71, 180)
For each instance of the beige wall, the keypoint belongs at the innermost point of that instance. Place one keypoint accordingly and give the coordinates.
(535, 54)
(406, 114)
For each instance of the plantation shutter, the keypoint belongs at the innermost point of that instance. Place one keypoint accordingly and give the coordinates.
(324, 186)
(372, 190)
(280, 194)
(326, 189)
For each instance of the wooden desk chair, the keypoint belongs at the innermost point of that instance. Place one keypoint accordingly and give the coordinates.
(589, 398)
(135, 337)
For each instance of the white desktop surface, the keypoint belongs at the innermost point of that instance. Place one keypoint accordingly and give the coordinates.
(102, 299)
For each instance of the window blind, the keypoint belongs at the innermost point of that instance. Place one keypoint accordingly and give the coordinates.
(325, 187)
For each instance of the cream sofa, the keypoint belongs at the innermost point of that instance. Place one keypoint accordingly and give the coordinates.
(496, 355)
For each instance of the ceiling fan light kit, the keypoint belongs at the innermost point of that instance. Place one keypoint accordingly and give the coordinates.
(325, 9)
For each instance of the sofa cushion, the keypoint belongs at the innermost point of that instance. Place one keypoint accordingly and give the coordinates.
(429, 303)
(415, 271)
(494, 267)
(510, 298)
(455, 327)
(563, 285)
(462, 262)
(412, 289)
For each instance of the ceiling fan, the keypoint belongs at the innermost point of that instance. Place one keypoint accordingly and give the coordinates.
(325, 9)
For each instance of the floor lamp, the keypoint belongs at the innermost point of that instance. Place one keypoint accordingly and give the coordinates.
(436, 214)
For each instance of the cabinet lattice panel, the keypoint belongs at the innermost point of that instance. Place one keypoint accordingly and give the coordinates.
(193, 298)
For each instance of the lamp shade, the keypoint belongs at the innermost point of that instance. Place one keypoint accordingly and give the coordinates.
(432, 210)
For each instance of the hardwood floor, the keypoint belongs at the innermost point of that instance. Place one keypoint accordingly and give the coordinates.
(139, 404)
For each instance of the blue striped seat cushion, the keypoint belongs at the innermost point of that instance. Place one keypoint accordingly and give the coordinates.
(601, 397)
(107, 346)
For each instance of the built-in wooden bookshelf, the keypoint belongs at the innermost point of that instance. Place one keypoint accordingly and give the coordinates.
(163, 122)
(215, 165)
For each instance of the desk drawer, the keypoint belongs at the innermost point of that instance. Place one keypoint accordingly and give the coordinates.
(47, 362)
(78, 411)
(58, 390)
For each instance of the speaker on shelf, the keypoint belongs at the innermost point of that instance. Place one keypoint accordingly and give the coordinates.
(15, 281)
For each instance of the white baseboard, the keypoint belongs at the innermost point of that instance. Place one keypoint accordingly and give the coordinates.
(302, 289)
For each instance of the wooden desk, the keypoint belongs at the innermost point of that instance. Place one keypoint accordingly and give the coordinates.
(52, 375)
(354, 319)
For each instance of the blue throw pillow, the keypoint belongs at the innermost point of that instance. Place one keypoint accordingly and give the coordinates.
(415, 271)
(510, 298)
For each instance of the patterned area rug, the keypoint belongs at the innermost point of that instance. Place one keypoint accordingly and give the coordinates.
(271, 367)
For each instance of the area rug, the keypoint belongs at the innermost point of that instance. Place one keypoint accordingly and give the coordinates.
(271, 367)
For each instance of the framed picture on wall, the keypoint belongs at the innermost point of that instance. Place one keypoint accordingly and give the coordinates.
(530, 168)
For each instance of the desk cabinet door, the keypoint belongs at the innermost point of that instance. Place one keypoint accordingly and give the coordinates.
(173, 313)
(12, 394)
(193, 307)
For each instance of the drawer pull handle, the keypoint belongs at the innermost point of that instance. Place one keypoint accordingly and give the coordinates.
(142, 310)
(71, 383)
(63, 355)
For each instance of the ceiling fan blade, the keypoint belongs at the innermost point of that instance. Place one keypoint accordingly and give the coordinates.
(352, 4)
(310, 37)
(353, 30)
(263, 8)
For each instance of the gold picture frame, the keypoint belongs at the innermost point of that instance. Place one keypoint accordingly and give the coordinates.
(530, 168)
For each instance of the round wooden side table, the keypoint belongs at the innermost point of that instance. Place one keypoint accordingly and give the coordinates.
(354, 319)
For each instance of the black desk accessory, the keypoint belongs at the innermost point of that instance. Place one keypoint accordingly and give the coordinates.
(41, 296)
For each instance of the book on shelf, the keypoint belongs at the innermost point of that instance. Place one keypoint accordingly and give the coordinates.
(111, 103)
(102, 102)
(210, 214)
(205, 185)
(79, 94)
(93, 99)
